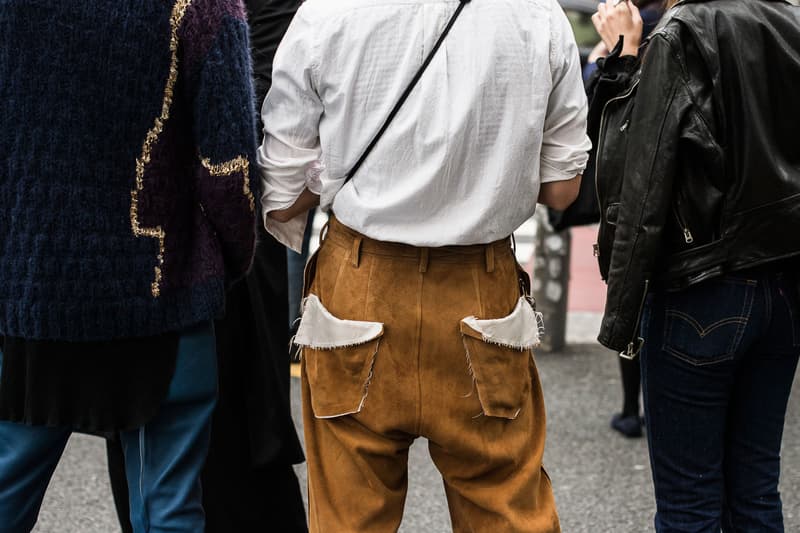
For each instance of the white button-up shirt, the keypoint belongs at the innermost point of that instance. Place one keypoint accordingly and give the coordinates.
(500, 110)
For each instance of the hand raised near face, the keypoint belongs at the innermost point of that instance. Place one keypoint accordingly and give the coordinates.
(619, 19)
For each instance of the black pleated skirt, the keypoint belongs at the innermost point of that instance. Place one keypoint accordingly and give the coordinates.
(94, 387)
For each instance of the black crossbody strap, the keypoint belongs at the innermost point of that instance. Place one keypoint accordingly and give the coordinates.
(406, 93)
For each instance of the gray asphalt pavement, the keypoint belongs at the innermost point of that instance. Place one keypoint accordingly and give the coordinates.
(601, 481)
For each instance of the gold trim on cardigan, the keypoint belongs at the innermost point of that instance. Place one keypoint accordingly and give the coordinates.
(178, 13)
(239, 164)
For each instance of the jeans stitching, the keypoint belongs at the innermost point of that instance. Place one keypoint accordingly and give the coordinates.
(730, 352)
(750, 297)
(698, 362)
(704, 332)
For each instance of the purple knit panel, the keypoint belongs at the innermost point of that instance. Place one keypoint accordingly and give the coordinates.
(192, 253)
(202, 24)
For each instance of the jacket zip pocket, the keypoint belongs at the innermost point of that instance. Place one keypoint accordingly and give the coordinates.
(635, 346)
(601, 136)
(687, 233)
(600, 141)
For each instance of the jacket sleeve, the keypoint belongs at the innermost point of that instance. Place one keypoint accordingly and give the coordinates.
(614, 76)
(218, 72)
(662, 104)
(611, 77)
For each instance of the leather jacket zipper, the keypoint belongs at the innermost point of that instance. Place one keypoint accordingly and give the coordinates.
(687, 233)
(635, 346)
(601, 140)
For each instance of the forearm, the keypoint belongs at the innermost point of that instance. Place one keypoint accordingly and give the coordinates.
(291, 185)
(560, 194)
(307, 201)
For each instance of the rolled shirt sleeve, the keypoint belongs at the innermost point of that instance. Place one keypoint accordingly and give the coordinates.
(565, 144)
(291, 115)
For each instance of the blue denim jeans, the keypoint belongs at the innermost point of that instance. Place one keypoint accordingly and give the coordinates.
(163, 458)
(717, 369)
(295, 267)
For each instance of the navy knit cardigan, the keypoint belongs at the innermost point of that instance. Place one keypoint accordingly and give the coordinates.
(127, 139)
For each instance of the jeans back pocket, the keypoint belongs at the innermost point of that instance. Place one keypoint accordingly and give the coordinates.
(705, 323)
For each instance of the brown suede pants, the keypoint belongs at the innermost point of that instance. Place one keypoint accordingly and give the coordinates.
(387, 359)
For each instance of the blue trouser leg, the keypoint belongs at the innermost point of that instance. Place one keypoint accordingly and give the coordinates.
(295, 266)
(163, 459)
(685, 409)
(756, 419)
(28, 458)
(717, 370)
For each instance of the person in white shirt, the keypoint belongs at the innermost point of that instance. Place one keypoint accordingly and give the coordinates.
(415, 322)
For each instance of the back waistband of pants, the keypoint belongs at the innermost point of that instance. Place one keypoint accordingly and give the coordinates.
(360, 244)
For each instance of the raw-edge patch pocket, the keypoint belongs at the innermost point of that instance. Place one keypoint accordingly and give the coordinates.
(339, 358)
(499, 357)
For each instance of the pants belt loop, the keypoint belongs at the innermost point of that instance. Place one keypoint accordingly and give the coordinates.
(490, 258)
(355, 252)
(323, 233)
(424, 258)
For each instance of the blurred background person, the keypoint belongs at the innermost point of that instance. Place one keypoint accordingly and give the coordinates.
(698, 180)
(125, 209)
(249, 483)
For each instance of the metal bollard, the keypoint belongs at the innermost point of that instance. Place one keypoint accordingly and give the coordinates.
(551, 281)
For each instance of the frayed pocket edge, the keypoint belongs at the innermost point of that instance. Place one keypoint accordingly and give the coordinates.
(475, 377)
(520, 330)
(367, 383)
(320, 330)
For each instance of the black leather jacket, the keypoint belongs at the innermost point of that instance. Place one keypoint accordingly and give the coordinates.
(698, 165)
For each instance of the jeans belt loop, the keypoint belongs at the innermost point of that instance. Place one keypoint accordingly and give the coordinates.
(355, 252)
(490, 258)
(424, 258)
